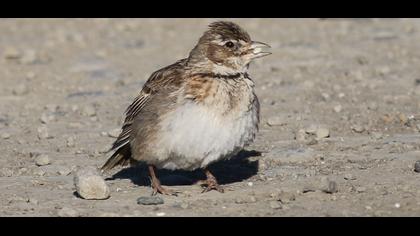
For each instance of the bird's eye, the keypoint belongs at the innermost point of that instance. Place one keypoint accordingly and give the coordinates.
(229, 44)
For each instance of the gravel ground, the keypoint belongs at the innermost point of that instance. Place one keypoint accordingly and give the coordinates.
(340, 129)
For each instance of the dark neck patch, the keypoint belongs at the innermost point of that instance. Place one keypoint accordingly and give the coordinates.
(221, 76)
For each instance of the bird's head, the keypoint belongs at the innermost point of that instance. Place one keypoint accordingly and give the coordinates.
(227, 48)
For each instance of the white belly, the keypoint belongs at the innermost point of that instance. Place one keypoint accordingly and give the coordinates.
(192, 136)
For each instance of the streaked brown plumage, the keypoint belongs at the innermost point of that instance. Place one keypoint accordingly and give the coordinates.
(196, 111)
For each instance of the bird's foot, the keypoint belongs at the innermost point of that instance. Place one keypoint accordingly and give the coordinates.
(157, 187)
(164, 191)
(211, 184)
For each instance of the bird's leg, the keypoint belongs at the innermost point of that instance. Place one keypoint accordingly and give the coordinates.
(157, 187)
(211, 183)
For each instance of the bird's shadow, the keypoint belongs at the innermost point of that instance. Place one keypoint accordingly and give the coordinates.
(236, 169)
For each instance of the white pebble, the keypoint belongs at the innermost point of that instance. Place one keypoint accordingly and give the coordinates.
(322, 133)
(90, 185)
(338, 108)
(114, 133)
(42, 160)
(160, 214)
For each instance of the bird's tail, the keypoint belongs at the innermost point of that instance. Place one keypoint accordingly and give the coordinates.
(120, 157)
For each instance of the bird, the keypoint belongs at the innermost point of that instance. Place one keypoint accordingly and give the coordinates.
(196, 111)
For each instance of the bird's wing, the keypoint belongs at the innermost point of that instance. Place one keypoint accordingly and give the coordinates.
(162, 78)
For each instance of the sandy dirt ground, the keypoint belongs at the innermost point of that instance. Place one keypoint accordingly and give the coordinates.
(339, 136)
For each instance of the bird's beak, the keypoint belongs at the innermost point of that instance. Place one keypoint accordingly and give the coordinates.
(257, 49)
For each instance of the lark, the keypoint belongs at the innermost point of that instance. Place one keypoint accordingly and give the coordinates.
(197, 111)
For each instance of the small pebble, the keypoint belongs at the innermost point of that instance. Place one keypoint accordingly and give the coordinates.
(322, 133)
(311, 129)
(286, 197)
(29, 57)
(417, 166)
(89, 184)
(114, 133)
(12, 53)
(328, 186)
(5, 135)
(325, 96)
(275, 205)
(42, 160)
(275, 121)
(150, 200)
(45, 119)
(377, 135)
(70, 142)
(349, 177)
(397, 205)
(360, 189)
(338, 108)
(300, 135)
(64, 171)
(160, 214)
(308, 189)
(250, 184)
(358, 128)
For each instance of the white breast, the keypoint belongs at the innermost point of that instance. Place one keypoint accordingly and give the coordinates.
(194, 135)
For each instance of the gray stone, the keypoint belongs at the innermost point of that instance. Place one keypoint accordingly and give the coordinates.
(150, 200)
(308, 188)
(42, 160)
(327, 185)
(275, 205)
(358, 128)
(417, 166)
(90, 185)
